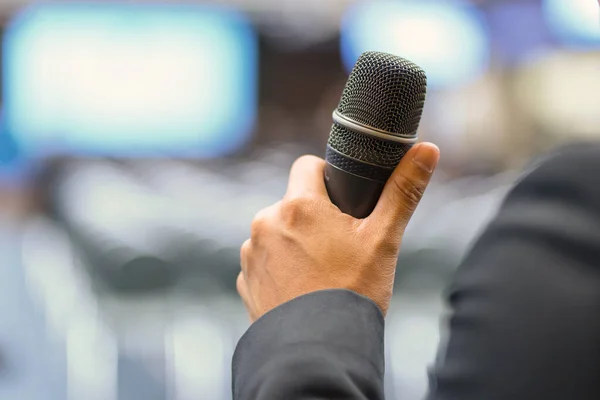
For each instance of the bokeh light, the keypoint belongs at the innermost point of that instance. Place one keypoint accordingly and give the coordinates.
(449, 40)
(574, 22)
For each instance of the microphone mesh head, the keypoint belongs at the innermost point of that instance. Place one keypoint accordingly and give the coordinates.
(384, 92)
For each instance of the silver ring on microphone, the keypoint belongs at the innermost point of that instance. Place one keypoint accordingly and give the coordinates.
(370, 131)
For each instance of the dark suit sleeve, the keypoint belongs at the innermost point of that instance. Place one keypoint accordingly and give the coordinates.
(525, 304)
(325, 345)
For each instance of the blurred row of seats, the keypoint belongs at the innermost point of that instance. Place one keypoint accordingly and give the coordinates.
(152, 225)
(169, 347)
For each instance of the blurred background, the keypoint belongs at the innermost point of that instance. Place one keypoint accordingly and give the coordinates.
(138, 139)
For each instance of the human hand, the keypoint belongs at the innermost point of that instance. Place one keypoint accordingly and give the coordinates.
(304, 243)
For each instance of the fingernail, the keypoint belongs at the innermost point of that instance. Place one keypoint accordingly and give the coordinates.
(427, 157)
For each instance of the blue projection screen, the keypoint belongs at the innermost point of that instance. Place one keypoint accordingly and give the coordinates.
(130, 80)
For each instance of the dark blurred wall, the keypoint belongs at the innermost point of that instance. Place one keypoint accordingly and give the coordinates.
(298, 90)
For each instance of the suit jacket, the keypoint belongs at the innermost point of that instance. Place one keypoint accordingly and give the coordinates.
(524, 320)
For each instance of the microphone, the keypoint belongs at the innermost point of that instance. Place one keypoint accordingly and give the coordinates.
(374, 126)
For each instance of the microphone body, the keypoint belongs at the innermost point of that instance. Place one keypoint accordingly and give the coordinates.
(353, 194)
(375, 125)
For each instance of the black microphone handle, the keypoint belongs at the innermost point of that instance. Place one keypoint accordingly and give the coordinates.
(354, 195)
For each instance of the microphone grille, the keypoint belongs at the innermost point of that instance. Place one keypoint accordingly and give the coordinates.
(385, 92)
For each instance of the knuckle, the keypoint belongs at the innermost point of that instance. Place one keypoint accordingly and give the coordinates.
(305, 159)
(296, 209)
(410, 192)
(245, 249)
(240, 283)
(291, 210)
(264, 220)
(258, 226)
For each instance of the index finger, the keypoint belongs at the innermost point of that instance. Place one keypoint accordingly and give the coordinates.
(306, 177)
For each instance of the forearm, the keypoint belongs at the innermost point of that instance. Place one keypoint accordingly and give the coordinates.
(325, 345)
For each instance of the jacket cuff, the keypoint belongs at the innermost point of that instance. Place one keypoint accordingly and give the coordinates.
(340, 320)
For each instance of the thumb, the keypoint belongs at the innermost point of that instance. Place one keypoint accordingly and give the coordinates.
(404, 190)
